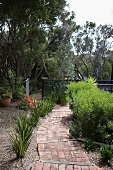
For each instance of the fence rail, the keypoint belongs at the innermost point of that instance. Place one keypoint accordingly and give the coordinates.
(106, 85)
(50, 84)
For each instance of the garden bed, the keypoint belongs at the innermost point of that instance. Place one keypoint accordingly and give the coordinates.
(94, 157)
(8, 159)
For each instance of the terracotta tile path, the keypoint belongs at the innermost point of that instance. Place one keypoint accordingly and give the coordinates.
(56, 151)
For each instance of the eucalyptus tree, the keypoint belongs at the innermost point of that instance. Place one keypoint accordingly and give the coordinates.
(91, 45)
(59, 48)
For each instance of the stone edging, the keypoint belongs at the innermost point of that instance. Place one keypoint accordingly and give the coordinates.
(66, 163)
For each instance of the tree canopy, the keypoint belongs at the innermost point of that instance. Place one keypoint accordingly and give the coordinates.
(31, 32)
(92, 45)
(35, 41)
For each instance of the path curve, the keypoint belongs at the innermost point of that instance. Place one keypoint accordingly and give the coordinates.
(56, 151)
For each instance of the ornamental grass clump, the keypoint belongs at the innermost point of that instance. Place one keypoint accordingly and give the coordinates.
(89, 145)
(21, 138)
(44, 107)
(106, 153)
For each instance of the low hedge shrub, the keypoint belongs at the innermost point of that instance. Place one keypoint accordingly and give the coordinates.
(20, 139)
(75, 87)
(93, 111)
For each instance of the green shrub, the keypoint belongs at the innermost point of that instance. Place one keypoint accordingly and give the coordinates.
(17, 86)
(57, 92)
(75, 130)
(41, 109)
(44, 107)
(89, 145)
(21, 138)
(18, 92)
(91, 80)
(75, 87)
(34, 116)
(106, 153)
(51, 97)
(58, 97)
(93, 111)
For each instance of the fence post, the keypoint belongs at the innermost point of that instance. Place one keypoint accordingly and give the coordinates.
(42, 88)
(27, 86)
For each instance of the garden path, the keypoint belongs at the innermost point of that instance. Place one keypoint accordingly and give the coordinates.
(56, 151)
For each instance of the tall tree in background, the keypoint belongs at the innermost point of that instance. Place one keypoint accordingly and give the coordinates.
(25, 31)
(92, 45)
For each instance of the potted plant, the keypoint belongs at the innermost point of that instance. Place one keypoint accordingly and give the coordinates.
(5, 96)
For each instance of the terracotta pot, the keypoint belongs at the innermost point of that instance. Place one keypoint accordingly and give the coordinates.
(5, 102)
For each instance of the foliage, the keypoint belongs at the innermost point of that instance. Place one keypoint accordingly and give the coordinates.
(50, 96)
(75, 87)
(33, 116)
(92, 44)
(93, 111)
(25, 123)
(58, 97)
(18, 92)
(17, 84)
(5, 92)
(21, 138)
(58, 65)
(57, 91)
(14, 84)
(106, 153)
(75, 130)
(61, 97)
(26, 103)
(44, 107)
(91, 80)
(89, 144)
(32, 35)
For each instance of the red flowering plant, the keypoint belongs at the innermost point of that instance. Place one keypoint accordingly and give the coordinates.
(26, 103)
(5, 92)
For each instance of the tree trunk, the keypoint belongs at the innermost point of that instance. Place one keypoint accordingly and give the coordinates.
(112, 72)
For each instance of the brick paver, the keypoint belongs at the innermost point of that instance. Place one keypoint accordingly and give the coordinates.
(55, 148)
